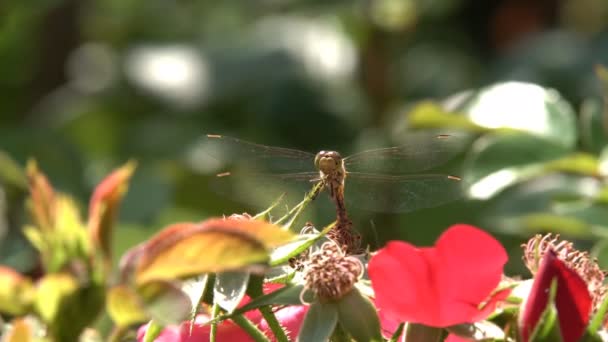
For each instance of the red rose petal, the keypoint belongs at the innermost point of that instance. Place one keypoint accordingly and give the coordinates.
(442, 285)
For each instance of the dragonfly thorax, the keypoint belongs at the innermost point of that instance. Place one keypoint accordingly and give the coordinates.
(329, 163)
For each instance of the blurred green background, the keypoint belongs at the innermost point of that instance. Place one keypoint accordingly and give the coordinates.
(88, 85)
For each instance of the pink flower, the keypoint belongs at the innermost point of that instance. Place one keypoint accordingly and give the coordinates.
(450, 283)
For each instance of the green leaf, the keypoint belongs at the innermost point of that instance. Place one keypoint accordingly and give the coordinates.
(153, 331)
(11, 173)
(358, 316)
(547, 328)
(229, 289)
(319, 323)
(125, 306)
(68, 304)
(165, 302)
(593, 125)
(520, 106)
(500, 160)
(427, 114)
(286, 295)
(282, 254)
(597, 321)
(559, 203)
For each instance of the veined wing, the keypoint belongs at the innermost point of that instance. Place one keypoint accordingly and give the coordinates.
(421, 151)
(261, 189)
(387, 193)
(256, 157)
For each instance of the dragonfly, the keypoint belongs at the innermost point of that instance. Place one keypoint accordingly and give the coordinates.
(384, 179)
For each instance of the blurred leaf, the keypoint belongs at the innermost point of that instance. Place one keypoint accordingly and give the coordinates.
(427, 114)
(103, 208)
(165, 302)
(229, 289)
(214, 245)
(11, 173)
(42, 197)
(66, 305)
(550, 223)
(498, 161)
(558, 203)
(358, 316)
(286, 295)
(581, 163)
(16, 293)
(593, 125)
(52, 292)
(124, 306)
(521, 106)
(319, 323)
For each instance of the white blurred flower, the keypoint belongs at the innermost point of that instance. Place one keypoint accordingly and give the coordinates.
(177, 73)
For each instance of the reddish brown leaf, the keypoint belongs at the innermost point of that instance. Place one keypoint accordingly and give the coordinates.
(215, 245)
(42, 195)
(104, 205)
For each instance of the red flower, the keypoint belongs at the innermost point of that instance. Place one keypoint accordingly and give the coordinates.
(572, 299)
(440, 286)
(290, 317)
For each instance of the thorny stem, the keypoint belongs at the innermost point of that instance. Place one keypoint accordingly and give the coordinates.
(214, 312)
(256, 290)
(250, 328)
(397, 333)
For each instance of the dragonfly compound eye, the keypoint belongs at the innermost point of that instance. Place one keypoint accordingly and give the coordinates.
(328, 161)
(318, 158)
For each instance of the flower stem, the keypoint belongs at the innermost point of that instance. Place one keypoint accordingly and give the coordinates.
(215, 311)
(250, 328)
(256, 290)
(419, 332)
(154, 329)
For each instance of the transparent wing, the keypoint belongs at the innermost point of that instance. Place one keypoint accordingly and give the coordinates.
(384, 193)
(255, 157)
(261, 190)
(421, 151)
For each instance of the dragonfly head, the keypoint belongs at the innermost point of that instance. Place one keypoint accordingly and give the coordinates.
(328, 161)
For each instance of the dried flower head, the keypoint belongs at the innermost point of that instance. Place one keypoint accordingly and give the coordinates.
(330, 274)
(581, 262)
